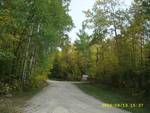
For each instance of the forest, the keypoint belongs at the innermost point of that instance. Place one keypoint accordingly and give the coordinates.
(35, 46)
(116, 54)
(31, 31)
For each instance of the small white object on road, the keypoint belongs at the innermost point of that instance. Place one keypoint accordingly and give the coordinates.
(84, 77)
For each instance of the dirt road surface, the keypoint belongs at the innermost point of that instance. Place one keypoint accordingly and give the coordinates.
(65, 97)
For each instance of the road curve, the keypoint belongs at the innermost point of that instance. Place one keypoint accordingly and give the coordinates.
(65, 97)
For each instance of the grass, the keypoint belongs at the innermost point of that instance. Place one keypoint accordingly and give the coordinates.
(17, 102)
(112, 96)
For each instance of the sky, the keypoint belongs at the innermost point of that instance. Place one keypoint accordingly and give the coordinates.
(76, 12)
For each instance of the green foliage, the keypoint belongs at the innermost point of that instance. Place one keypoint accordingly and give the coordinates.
(110, 95)
(30, 32)
(117, 53)
(66, 65)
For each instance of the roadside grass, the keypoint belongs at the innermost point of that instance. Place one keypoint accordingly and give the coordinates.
(15, 103)
(112, 96)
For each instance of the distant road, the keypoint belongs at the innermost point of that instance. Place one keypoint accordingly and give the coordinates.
(65, 97)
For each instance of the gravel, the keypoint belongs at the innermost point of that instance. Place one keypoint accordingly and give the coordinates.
(65, 97)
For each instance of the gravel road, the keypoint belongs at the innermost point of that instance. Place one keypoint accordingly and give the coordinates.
(65, 97)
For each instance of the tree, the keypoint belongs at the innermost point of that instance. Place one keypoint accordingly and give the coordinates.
(30, 32)
(83, 47)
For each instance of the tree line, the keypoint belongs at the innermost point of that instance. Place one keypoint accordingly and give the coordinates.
(118, 51)
(30, 32)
